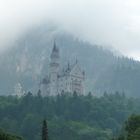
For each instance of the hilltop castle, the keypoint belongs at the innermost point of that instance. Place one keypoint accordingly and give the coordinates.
(70, 79)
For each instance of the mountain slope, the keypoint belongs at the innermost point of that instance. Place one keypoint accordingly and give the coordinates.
(27, 62)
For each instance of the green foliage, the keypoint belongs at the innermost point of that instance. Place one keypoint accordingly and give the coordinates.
(133, 123)
(70, 117)
(132, 128)
(7, 136)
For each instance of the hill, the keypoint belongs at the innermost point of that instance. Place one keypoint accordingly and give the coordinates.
(27, 62)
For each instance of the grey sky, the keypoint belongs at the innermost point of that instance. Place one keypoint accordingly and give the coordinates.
(105, 22)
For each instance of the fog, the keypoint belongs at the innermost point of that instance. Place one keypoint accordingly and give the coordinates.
(114, 24)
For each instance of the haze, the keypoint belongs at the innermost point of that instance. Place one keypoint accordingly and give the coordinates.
(115, 24)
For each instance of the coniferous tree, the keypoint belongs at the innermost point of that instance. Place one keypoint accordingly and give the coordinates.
(44, 130)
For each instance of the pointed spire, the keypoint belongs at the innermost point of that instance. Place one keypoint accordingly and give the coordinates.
(55, 50)
(68, 66)
(76, 61)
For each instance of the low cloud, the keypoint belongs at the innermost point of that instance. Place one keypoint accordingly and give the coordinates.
(104, 22)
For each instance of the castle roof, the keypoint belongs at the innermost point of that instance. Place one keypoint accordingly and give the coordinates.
(69, 69)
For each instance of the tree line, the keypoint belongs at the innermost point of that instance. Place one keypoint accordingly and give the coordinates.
(71, 117)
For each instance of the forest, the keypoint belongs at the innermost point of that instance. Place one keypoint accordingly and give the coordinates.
(69, 116)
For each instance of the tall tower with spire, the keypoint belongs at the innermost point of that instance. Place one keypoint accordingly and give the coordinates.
(54, 68)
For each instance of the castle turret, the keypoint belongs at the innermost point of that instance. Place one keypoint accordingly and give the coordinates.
(54, 63)
(54, 68)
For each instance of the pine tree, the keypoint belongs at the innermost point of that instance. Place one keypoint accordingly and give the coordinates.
(44, 131)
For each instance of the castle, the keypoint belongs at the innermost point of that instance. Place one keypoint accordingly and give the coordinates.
(68, 80)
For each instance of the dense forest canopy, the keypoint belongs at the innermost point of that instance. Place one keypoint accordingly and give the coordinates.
(71, 117)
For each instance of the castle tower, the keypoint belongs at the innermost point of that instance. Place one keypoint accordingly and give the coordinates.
(68, 80)
(54, 69)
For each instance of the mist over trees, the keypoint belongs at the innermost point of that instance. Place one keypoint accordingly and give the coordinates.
(99, 86)
(27, 63)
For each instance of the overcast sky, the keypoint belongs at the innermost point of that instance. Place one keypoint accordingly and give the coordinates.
(113, 23)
